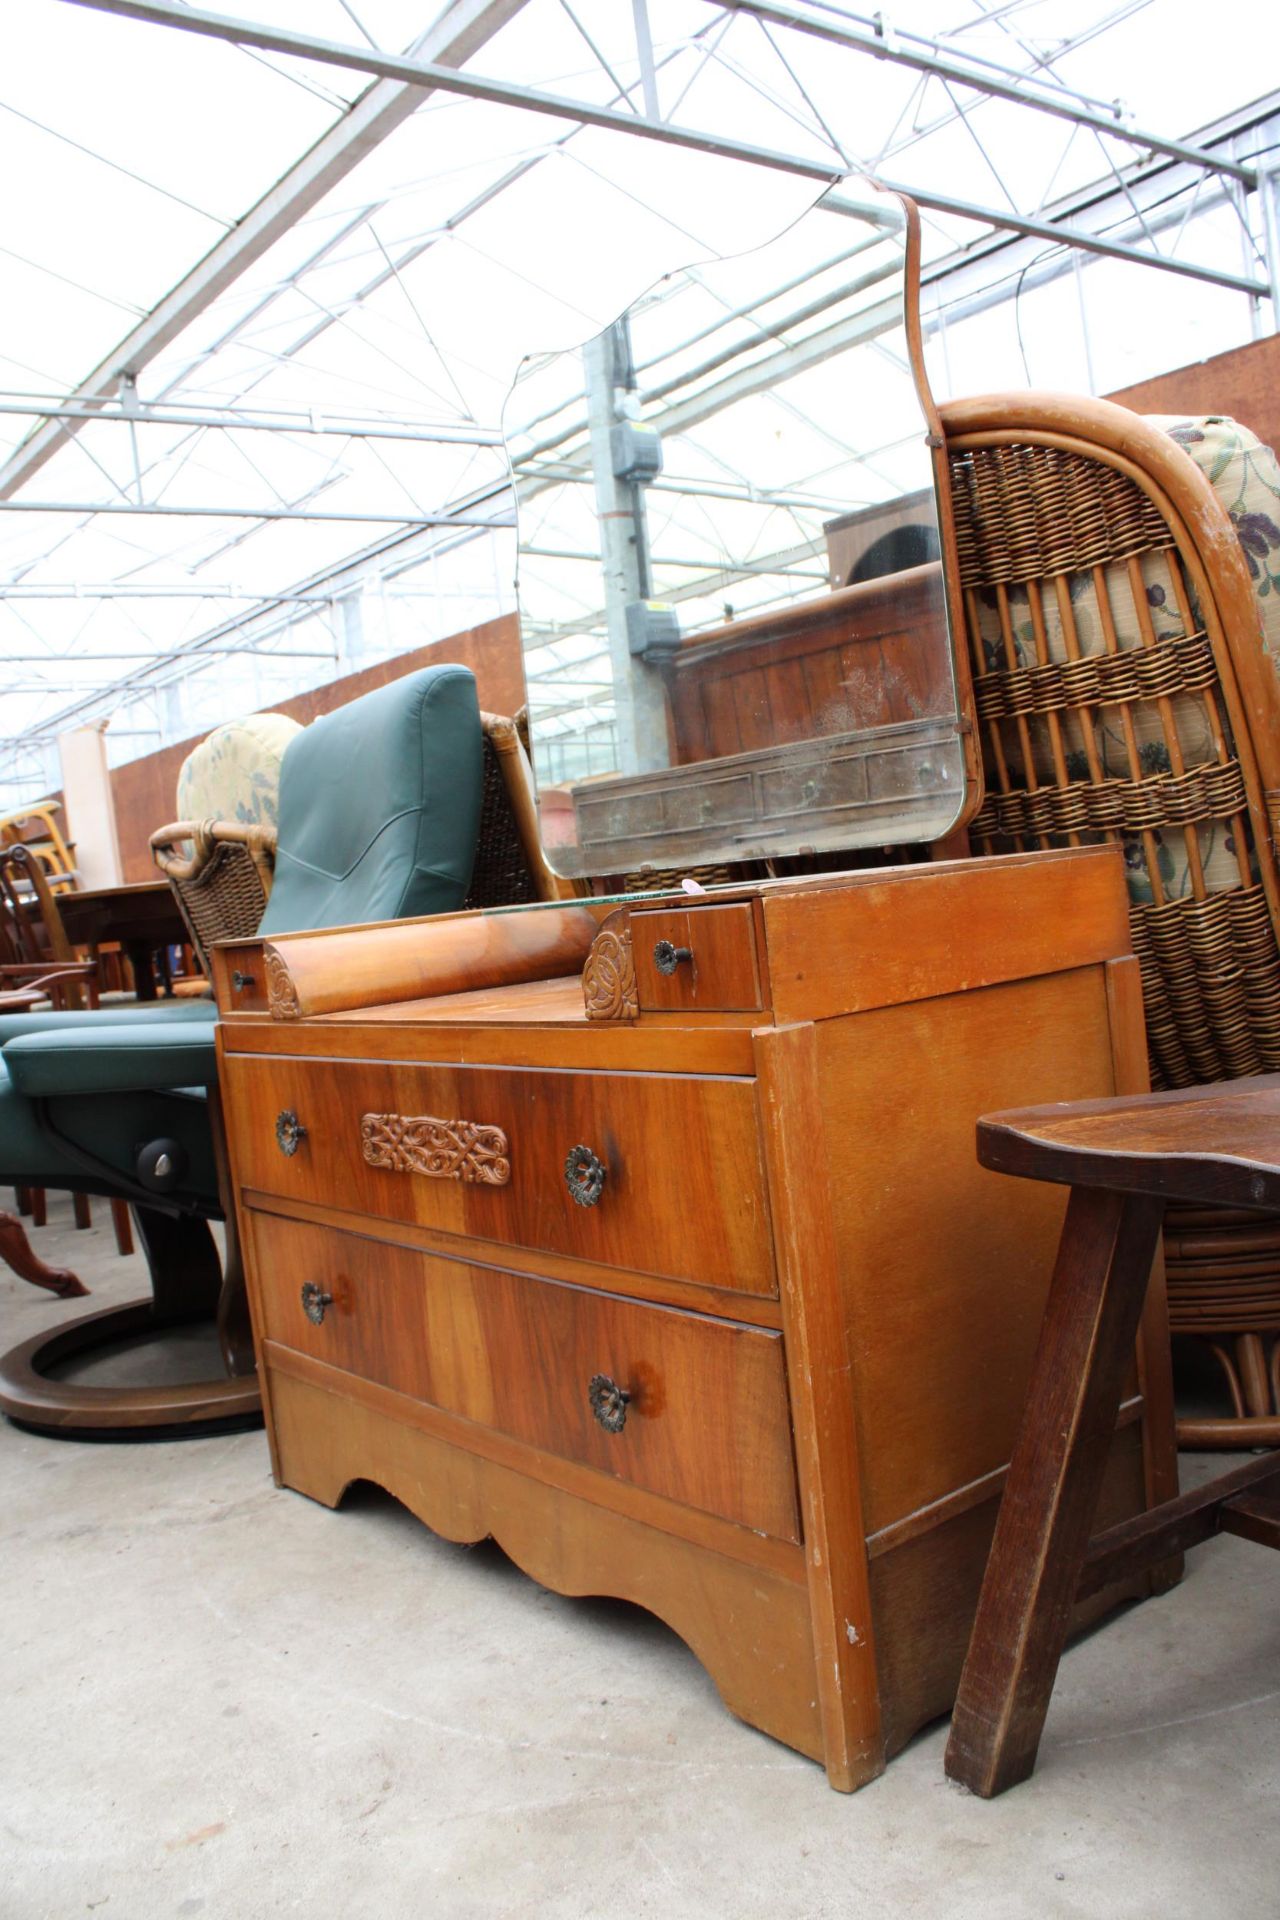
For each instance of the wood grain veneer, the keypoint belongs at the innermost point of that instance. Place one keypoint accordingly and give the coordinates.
(707, 1424)
(684, 1182)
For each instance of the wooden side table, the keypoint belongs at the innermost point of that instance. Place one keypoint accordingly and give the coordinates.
(1123, 1159)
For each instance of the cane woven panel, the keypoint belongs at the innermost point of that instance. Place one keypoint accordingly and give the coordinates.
(226, 896)
(1102, 717)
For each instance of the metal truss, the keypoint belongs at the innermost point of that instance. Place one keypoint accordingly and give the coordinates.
(466, 28)
(1146, 187)
(926, 59)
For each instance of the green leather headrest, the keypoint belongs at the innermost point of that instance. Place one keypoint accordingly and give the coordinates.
(380, 807)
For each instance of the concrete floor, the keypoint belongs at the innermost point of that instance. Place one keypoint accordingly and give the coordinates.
(222, 1700)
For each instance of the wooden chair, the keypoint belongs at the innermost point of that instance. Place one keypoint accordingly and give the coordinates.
(35, 954)
(1123, 693)
(38, 962)
(1125, 1161)
(37, 828)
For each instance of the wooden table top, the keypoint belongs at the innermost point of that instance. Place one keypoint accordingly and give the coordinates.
(143, 910)
(1219, 1143)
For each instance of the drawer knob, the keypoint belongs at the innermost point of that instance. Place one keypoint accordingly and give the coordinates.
(241, 981)
(666, 958)
(290, 1132)
(584, 1176)
(609, 1402)
(314, 1302)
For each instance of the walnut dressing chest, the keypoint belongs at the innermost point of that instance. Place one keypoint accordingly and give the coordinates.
(650, 1240)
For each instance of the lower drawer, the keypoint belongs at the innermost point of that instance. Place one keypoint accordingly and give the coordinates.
(706, 1422)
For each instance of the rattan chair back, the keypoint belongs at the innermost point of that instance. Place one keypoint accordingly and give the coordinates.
(1122, 694)
(510, 867)
(220, 872)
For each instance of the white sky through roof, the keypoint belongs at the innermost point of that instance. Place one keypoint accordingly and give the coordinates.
(404, 298)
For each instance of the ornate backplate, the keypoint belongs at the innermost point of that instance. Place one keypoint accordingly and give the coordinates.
(609, 977)
(440, 1149)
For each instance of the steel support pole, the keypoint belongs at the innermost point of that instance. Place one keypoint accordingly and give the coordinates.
(640, 699)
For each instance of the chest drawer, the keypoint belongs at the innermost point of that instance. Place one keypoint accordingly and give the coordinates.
(669, 1180)
(706, 1422)
(701, 958)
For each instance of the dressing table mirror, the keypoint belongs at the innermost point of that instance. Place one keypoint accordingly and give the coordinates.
(732, 583)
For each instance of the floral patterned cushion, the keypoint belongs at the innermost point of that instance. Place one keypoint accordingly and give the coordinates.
(1245, 475)
(235, 773)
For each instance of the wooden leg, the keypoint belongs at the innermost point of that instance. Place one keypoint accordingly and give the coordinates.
(1251, 1360)
(120, 1221)
(39, 1212)
(15, 1249)
(1255, 1398)
(80, 1211)
(1086, 1344)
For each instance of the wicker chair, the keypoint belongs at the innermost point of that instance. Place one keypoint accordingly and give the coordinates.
(221, 871)
(511, 867)
(1123, 693)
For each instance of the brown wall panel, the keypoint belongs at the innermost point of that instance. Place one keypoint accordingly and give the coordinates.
(1244, 384)
(144, 789)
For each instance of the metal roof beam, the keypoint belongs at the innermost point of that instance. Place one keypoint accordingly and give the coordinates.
(133, 510)
(423, 74)
(433, 77)
(929, 60)
(310, 427)
(1065, 235)
(378, 112)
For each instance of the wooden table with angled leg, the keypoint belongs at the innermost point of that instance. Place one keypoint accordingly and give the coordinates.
(143, 916)
(1124, 1160)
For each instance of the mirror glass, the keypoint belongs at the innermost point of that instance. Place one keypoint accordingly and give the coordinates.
(733, 614)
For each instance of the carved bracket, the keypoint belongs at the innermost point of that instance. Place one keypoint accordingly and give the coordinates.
(441, 1149)
(609, 977)
(282, 995)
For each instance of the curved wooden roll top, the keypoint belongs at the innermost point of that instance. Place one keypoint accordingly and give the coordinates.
(347, 968)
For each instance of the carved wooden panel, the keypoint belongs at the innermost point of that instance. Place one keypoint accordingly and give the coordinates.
(609, 978)
(282, 995)
(441, 1149)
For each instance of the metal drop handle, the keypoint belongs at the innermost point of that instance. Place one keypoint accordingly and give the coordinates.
(584, 1175)
(666, 957)
(609, 1402)
(314, 1302)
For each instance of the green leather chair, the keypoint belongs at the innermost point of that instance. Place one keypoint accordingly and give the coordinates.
(379, 814)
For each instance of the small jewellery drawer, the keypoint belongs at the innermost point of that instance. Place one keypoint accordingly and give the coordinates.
(246, 978)
(696, 958)
(686, 1406)
(659, 1172)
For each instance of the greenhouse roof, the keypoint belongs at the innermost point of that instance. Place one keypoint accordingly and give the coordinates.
(268, 283)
